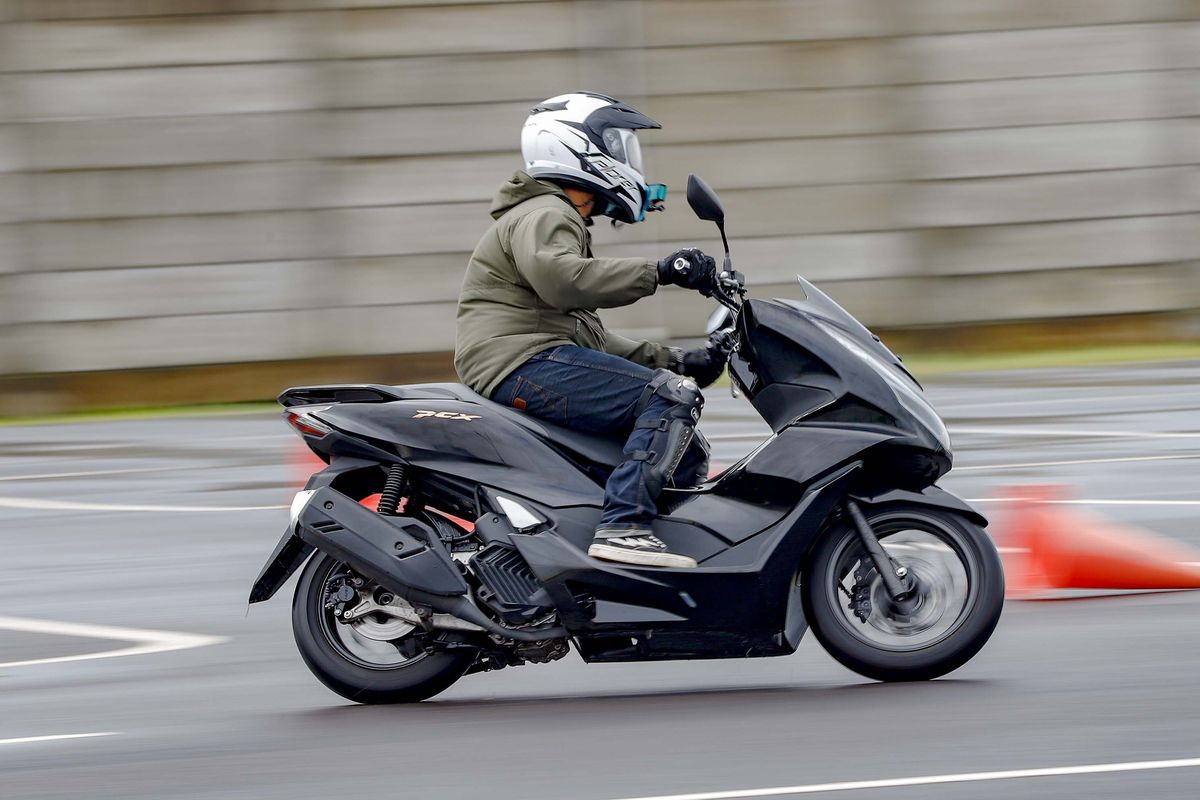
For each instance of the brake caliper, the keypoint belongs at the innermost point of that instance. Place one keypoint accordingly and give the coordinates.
(860, 593)
(338, 592)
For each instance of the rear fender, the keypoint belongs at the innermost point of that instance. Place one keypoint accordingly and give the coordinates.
(352, 476)
(288, 556)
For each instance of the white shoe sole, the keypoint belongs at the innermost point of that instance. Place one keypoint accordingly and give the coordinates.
(623, 556)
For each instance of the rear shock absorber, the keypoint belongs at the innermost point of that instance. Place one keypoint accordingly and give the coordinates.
(393, 490)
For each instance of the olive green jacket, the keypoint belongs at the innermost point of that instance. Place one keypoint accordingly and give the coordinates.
(533, 284)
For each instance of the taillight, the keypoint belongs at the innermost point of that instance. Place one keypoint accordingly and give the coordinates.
(305, 424)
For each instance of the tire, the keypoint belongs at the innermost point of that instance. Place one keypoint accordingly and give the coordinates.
(873, 648)
(413, 680)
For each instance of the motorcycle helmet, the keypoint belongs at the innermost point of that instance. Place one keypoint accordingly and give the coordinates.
(589, 141)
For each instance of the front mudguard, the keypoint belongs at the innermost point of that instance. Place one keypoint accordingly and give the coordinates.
(930, 496)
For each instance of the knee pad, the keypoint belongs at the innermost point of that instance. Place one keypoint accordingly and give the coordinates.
(679, 391)
(673, 432)
(693, 469)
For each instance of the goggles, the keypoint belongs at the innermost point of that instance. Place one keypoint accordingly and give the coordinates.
(656, 193)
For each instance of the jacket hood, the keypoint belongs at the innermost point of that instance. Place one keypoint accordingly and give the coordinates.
(519, 188)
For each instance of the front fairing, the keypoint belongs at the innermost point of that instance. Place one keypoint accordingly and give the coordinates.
(809, 359)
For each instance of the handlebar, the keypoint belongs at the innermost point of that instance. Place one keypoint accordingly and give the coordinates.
(730, 290)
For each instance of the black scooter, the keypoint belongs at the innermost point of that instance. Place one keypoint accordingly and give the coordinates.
(834, 522)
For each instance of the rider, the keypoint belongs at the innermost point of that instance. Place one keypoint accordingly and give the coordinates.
(528, 332)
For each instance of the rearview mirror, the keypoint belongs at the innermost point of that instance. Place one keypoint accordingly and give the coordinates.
(704, 201)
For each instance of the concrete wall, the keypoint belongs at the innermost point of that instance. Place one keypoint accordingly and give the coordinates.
(188, 182)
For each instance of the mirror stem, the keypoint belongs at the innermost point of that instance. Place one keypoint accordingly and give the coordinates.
(725, 242)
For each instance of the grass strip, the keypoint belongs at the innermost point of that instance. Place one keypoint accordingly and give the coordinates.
(100, 415)
(921, 364)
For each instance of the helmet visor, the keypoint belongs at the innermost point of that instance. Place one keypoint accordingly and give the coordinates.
(633, 150)
(622, 144)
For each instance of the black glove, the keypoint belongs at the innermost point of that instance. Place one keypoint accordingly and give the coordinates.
(703, 364)
(690, 269)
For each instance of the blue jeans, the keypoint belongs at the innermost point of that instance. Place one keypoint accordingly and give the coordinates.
(595, 392)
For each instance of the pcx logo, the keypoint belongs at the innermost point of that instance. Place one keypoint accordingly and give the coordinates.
(443, 415)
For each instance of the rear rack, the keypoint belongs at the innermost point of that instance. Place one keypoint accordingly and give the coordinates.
(339, 393)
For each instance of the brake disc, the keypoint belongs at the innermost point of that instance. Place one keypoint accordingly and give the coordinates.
(386, 621)
(390, 629)
(914, 616)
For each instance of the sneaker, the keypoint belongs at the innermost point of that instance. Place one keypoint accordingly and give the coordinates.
(635, 546)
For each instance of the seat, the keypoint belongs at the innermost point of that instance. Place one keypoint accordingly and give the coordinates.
(599, 450)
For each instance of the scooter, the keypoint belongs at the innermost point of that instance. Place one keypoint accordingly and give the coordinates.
(475, 558)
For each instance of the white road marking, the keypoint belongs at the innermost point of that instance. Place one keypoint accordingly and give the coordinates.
(1075, 462)
(250, 437)
(1097, 502)
(39, 504)
(1086, 501)
(92, 472)
(737, 437)
(929, 780)
(1003, 430)
(1027, 464)
(146, 641)
(56, 737)
(66, 449)
(1053, 401)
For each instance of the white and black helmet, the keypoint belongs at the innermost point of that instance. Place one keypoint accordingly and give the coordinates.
(588, 140)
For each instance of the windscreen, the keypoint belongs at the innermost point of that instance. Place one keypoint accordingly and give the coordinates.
(820, 304)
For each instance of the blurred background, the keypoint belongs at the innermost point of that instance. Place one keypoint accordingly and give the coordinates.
(207, 200)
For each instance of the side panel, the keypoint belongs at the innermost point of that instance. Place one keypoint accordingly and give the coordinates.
(743, 601)
(794, 458)
(730, 518)
(471, 442)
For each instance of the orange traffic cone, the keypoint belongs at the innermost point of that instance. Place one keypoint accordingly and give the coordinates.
(304, 463)
(1017, 529)
(1047, 546)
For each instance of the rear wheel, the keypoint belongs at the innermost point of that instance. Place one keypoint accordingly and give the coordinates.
(376, 658)
(955, 603)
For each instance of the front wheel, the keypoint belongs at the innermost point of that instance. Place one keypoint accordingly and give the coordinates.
(956, 598)
(376, 658)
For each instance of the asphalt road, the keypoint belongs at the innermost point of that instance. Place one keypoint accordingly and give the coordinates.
(160, 525)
